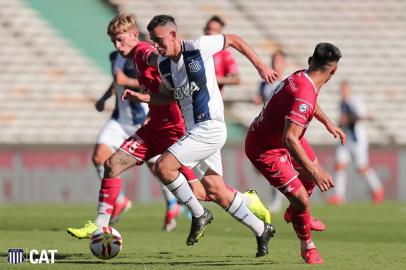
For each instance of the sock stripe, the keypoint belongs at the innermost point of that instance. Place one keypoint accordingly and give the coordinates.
(238, 207)
(172, 190)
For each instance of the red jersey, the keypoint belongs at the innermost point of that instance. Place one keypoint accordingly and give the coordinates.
(161, 116)
(224, 65)
(295, 98)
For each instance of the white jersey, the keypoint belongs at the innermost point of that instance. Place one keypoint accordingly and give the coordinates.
(356, 131)
(193, 80)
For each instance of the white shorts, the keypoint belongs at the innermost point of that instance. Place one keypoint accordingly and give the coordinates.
(200, 147)
(114, 133)
(357, 150)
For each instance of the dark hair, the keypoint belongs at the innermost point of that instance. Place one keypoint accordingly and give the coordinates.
(325, 53)
(217, 19)
(160, 20)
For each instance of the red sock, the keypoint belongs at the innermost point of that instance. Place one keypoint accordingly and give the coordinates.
(109, 191)
(301, 223)
(188, 173)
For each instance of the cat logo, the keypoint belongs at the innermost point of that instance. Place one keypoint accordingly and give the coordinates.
(194, 66)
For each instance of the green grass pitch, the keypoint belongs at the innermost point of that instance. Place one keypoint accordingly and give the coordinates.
(358, 236)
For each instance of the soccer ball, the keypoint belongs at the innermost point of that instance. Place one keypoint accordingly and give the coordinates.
(105, 243)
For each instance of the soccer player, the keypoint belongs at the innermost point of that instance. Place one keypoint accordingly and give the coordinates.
(187, 70)
(225, 65)
(127, 117)
(275, 142)
(164, 127)
(352, 118)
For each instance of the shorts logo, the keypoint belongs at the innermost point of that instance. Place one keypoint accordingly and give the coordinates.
(283, 159)
(288, 189)
(15, 255)
(303, 108)
(194, 66)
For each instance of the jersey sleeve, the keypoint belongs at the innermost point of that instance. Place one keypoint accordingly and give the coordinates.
(300, 110)
(210, 45)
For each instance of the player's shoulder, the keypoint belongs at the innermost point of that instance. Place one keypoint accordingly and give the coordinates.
(113, 55)
(142, 50)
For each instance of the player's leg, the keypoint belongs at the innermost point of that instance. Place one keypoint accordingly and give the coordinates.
(342, 158)
(109, 140)
(234, 202)
(360, 153)
(279, 171)
(172, 206)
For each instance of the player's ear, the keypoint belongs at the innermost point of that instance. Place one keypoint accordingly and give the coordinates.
(173, 34)
(333, 70)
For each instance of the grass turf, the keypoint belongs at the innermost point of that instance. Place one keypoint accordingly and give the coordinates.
(358, 236)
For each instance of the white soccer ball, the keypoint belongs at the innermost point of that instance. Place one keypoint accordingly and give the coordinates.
(106, 243)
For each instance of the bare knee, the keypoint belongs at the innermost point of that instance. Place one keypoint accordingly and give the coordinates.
(163, 170)
(110, 168)
(98, 159)
(300, 200)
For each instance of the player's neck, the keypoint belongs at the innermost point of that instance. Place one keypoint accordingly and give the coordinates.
(318, 78)
(178, 52)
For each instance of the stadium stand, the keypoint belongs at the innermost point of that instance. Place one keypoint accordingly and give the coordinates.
(47, 86)
(47, 91)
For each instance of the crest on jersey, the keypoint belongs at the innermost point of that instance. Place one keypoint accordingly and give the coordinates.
(303, 108)
(194, 66)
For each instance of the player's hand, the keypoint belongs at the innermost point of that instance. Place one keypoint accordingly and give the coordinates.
(99, 105)
(120, 77)
(323, 180)
(337, 132)
(130, 95)
(267, 74)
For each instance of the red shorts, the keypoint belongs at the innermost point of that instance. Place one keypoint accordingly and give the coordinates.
(278, 167)
(148, 142)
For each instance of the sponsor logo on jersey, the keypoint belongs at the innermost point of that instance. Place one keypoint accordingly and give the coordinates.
(185, 90)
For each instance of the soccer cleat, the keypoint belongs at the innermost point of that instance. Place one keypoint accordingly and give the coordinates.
(170, 218)
(378, 195)
(84, 232)
(257, 207)
(335, 200)
(312, 256)
(316, 225)
(262, 241)
(119, 209)
(198, 226)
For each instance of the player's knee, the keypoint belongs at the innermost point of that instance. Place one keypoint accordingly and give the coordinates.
(109, 168)
(162, 169)
(301, 201)
(98, 159)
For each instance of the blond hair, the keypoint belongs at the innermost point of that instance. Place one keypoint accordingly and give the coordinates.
(123, 22)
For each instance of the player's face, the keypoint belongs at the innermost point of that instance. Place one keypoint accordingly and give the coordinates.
(213, 28)
(125, 42)
(164, 40)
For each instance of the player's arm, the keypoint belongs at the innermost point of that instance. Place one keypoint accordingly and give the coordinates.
(330, 126)
(99, 105)
(266, 73)
(160, 98)
(124, 80)
(232, 79)
(291, 135)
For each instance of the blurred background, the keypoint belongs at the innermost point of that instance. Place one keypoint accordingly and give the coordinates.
(54, 65)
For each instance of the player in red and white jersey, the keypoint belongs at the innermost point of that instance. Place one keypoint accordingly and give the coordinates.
(164, 128)
(275, 142)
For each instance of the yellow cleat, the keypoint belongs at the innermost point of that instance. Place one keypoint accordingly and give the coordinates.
(85, 232)
(257, 207)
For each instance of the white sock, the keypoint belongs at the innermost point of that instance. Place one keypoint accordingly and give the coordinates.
(372, 179)
(340, 180)
(102, 218)
(100, 171)
(181, 190)
(307, 244)
(239, 210)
